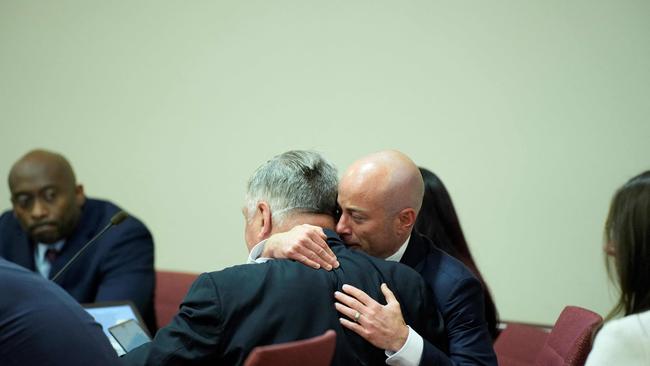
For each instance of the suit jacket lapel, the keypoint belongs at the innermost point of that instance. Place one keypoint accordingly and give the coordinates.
(23, 251)
(416, 251)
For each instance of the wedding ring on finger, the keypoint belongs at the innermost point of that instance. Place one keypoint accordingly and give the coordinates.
(357, 315)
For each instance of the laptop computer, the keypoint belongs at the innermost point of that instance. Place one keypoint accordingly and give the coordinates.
(111, 313)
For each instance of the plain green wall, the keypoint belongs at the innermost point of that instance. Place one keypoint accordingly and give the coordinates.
(532, 112)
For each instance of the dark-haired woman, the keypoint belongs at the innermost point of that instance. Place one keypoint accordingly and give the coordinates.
(438, 221)
(626, 341)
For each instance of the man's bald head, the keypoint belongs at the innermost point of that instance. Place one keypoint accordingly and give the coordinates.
(380, 196)
(42, 161)
(45, 196)
(391, 174)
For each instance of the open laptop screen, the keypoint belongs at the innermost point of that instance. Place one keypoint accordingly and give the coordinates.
(111, 313)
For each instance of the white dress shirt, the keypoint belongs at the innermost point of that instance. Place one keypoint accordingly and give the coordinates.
(42, 264)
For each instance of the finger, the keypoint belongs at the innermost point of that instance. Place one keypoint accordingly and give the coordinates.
(327, 252)
(344, 310)
(331, 256)
(318, 238)
(361, 296)
(349, 301)
(320, 247)
(321, 232)
(314, 256)
(388, 294)
(323, 242)
(355, 327)
(317, 234)
(304, 260)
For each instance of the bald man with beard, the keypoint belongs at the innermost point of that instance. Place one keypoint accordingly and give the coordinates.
(380, 196)
(52, 219)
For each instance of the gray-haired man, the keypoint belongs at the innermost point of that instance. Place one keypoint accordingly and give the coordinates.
(227, 313)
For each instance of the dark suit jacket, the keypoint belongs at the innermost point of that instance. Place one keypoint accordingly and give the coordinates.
(42, 325)
(118, 266)
(459, 296)
(227, 313)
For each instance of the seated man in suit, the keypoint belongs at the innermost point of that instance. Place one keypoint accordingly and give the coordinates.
(42, 325)
(227, 313)
(52, 219)
(380, 196)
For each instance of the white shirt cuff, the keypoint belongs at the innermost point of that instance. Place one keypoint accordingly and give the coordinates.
(255, 256)
(411, 352)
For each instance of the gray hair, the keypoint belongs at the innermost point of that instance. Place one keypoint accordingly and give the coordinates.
(297, 180)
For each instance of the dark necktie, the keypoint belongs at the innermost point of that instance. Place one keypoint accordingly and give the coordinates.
(51, 255)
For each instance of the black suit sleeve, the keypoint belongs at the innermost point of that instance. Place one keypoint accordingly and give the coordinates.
(469, 339)
(128, 270)
(193, 336)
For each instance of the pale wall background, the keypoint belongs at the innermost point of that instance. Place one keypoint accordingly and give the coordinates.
(532, 112)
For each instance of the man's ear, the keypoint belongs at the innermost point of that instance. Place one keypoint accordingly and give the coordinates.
(406, 221)
(79, 196)
(265, 224)
(609, 249)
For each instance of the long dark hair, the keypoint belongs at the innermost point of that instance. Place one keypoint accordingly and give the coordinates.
(627, 232)
(439, 222)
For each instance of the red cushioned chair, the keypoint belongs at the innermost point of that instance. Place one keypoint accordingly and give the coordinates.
(317, 351)
(568, 343)
(519, 344)
(570, 340)
(171, 288)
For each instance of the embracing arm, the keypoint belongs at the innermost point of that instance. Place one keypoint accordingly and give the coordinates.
(303, 243)
(384, 327)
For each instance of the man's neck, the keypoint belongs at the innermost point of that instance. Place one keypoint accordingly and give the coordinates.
(397, 256)
(322, 220)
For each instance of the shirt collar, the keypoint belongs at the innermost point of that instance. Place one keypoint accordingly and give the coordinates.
(397, 256)
(42, 248)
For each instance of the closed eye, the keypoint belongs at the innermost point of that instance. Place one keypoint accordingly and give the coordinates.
(49, 195)
(23, 200)
(357, 218)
